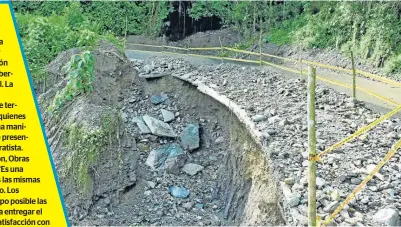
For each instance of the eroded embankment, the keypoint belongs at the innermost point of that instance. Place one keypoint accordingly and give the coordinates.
(104, 160)
(276, 110)
(233, 188)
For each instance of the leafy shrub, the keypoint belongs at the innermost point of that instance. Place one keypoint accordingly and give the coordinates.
(80, 79)
(42, 8)
(46, 37)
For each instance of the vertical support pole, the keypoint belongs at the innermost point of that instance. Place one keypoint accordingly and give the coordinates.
(312, 147)
(353, 76)
(221, 47)
(260, 46)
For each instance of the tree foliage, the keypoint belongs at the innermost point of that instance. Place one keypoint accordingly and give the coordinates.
(371, 29)
(44, 37)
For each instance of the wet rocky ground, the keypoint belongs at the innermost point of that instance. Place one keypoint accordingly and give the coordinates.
(277, 106)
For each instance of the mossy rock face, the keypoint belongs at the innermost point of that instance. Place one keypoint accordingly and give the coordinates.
(85, 140)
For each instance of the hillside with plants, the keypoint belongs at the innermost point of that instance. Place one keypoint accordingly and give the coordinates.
(371, 29)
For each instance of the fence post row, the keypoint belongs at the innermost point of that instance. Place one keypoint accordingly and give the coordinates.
(312, 147)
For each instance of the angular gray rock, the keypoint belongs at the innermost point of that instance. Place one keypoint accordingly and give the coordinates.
(169, 157)
(387, 216)
(192, 169)
(258, 118)
(157, 99)
(159, 128)
(167, 115)
(320, 182)
(141, 125)
(190, 137)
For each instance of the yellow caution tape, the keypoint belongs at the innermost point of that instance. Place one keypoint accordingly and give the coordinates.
(204, 56)
(327, 66)
(242, 51)
(177, 48)
(283, 67)
(380, 78)
(336, 83)
(363, 73)
(204, 48)
(290, 70)
(145, 45)
(241, 60)
(359, 132)
(359, 88)
(363, 183)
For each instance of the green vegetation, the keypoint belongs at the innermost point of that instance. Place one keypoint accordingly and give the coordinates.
(117, 17)
(85, 147)
(80, 78)
(44, 37)
(370, 29)
(283, 33)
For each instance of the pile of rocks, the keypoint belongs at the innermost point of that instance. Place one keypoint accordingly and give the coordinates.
(277, 105)
(170, 157)
(178, 151)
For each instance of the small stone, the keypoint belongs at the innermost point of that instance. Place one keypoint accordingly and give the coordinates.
(192, 169)
(151, 184)
(364, 138)
(132, 177)
(143, 147)
(320, 182)
(167, 115)
(270, 131)
(219, 140)
(365, 200)
(200, 206)
(158, 127)
(294, 200)
(178, 192)
(143, 128)
(169, 157)
(190, 137)
(157, 99)
(344, 214)
(370, 168)
(356, 181)
(387, 216)
(148, 68)
(335, 195)
(331, 207)
(188, 205)
(147, 193)
(342, 177)
(284, 122)
(273, 120)
(258, 118)
(393, 135)
(289, 181)
(107, 200)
